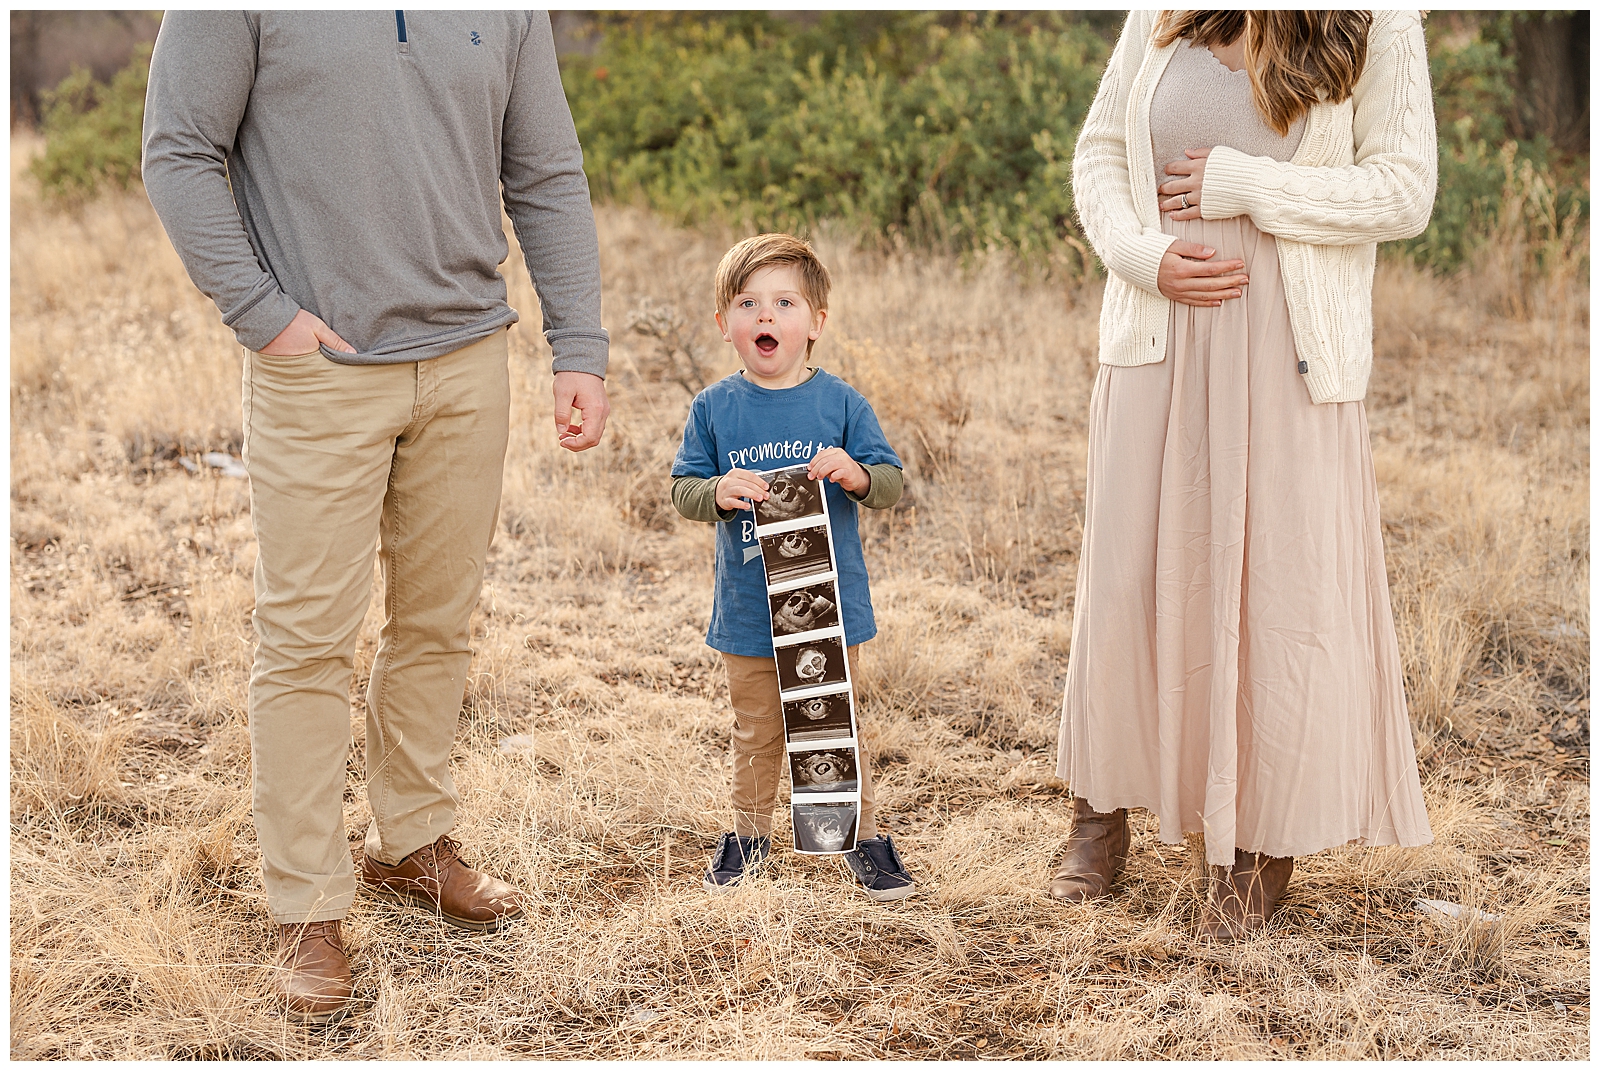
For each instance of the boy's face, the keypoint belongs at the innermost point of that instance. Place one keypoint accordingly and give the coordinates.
(769, 323)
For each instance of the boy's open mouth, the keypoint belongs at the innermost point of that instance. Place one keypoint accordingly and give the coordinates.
(766, 344)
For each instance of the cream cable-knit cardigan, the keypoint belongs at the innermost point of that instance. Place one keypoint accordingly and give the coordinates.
(1364, 173)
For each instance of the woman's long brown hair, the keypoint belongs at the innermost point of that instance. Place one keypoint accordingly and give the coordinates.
(1295, 58)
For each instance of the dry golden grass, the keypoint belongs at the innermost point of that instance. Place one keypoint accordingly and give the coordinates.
(137, 920)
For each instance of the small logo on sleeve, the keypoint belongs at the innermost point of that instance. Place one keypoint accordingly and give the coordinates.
(476, 39)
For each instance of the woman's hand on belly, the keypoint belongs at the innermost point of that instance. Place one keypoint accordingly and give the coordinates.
(1189, 276)
(1182, 192)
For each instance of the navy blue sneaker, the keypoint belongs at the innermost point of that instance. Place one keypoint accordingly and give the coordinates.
(878, 868)
(736, 856)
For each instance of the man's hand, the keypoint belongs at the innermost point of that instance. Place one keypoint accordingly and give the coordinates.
(836, 465)
(305, 334)
(1186, 277)
(739, 489)
(587, 394)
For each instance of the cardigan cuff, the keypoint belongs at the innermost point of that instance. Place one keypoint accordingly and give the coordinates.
(1323, 383)
(1140, 258)
(1229, 178)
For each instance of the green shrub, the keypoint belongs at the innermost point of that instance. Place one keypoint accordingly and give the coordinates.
(1483, 174)
(933, 129)
(92, 131)
(954, 133)
(952, 136)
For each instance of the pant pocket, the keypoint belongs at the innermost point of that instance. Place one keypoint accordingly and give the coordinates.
(757, 735)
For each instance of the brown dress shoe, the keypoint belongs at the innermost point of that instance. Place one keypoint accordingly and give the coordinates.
(434, 877)
(1243, 897)
(1097, 847)
(313, 975)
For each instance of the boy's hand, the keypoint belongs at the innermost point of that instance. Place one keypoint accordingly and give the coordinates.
(836, 465)
(739, 488)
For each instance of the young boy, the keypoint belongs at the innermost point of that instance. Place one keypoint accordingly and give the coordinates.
(772, 300)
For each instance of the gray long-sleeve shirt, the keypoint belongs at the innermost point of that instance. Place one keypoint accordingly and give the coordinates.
(351, 163)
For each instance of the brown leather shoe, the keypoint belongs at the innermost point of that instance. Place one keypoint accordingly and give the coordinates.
(1243, 897)
(313, 975)
(434, 877)
(1097, 848)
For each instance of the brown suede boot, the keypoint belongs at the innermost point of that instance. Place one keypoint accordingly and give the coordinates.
(1097, 847)
(313, 975)
(434, 877)
(1243, 897)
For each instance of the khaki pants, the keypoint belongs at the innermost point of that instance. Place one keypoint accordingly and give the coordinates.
(758, 747)
(343, 458)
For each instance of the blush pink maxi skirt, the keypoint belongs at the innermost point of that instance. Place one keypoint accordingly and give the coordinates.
(1234, 666)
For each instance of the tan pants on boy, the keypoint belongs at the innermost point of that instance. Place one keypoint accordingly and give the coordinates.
(346, 460)
(758, 747)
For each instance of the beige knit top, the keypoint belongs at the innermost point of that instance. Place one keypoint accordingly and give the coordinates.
(1200, 103)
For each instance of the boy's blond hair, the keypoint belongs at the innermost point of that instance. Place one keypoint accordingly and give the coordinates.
(764, 251)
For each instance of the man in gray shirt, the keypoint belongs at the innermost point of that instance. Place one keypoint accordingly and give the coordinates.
(334, 181)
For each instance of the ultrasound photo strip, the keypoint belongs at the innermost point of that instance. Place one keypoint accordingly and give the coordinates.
(801, 554)
(794, 500)
(832, 770)
(794, 530)
(815, 718)
(810, 664)
(824, 828)
(797, 613)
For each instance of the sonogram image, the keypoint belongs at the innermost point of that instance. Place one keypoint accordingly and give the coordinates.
(826, 770)
(792, 494)
(810, 655)
(805, 609)
(792, 555)
(821, 717)
(811, 662)
(824, 827)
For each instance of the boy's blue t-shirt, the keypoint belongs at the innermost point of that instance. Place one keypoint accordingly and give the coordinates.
(735, 424)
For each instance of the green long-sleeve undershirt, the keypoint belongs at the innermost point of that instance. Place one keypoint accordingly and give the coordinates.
(696, 496)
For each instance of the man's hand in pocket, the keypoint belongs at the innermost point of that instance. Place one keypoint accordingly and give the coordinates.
(305, 334)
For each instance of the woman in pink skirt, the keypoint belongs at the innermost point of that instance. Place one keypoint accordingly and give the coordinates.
(1234, 665)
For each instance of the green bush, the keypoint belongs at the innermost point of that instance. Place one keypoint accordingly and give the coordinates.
(1480, 167)
(952, 136)
(92, 131)
(931, 129)
(953, 133)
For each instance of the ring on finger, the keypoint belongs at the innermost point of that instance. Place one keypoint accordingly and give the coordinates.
(1185, 199)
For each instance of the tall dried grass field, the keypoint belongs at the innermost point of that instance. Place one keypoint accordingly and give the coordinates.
(138, 925)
